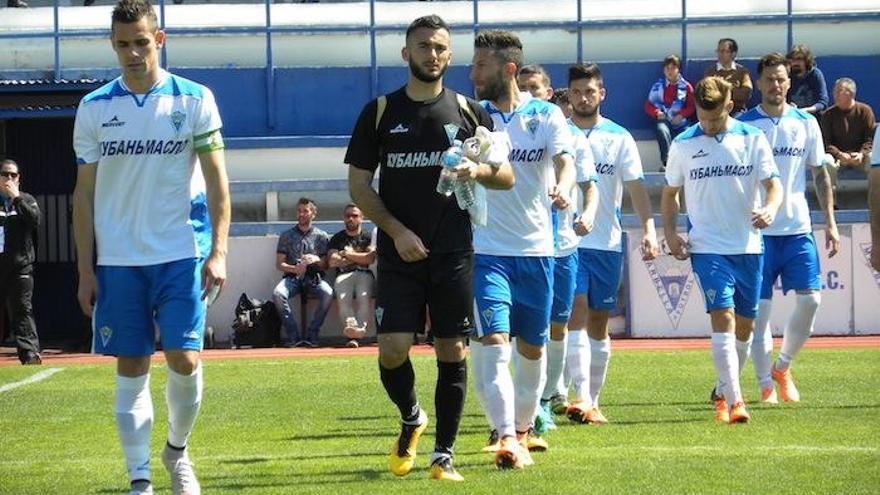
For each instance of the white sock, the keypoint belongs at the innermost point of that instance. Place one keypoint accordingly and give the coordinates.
(555, 365)
(184, 396)
(134, 422)
(600, 353)
(762, 344)
(579, 365)
(477, 361)
(799, 328)
(528, 385)
(742, 352)
(498, 388)
(726, 366)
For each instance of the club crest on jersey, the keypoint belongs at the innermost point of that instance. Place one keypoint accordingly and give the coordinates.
(865, 248)
(451, 132)
(105, 332)
(673, 280)
(532, 126)
(177, 119)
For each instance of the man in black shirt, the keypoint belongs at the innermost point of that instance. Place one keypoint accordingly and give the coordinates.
(424, 243)
(19, 221)
(351, 253)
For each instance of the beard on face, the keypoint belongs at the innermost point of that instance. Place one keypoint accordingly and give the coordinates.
(797, 70)
(588, 113)
(426, 77)
(493, 89)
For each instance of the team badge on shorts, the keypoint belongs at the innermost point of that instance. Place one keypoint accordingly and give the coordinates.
(379, 312)
(487, 314)
(105, 332)
(673, 280)
(177, 119)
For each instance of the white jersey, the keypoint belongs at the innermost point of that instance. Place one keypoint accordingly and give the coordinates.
(796, 141)
(617, 161)
(150, 201)
(875, 155)
(721, 176)
(585, 171)
(520, 222)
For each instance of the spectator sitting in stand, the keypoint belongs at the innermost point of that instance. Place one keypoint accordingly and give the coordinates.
(738, 76)
(300, 256)
(848, 128)
(808, 89)
(671, 103)
(351, 253)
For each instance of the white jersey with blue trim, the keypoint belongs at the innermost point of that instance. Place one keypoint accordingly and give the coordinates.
(875, 156)
(796, 141)
(585, 171)
(150, 201)
(617, 161)
(721, 176)
(520, 222)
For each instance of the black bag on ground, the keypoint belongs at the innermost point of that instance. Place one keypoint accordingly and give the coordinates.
(256, 323)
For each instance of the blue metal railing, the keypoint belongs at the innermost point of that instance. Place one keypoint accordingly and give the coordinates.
(371, 29)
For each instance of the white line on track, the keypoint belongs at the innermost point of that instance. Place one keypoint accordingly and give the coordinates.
(31, 379)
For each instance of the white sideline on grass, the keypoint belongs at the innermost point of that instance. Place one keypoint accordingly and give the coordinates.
(31, 379)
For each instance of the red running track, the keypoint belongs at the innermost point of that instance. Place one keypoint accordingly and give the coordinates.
(58, 358)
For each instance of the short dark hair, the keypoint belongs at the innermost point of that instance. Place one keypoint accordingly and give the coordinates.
(732, 42)
(535, 70)
(772, 60)
(802, 51)
(10, 161)
(672, 59)
(429, 21)
(711, 92)
(131, 11)
(308, 202)
(560, 96)
(585, 71)
(505, 44)
(350, 205)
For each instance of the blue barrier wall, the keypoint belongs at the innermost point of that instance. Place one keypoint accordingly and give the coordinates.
(326, 101)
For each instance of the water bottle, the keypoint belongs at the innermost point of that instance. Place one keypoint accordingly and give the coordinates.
(464, 194)
(450, 159)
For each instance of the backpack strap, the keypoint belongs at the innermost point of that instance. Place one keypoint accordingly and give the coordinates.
(381, 103)
(468, 111)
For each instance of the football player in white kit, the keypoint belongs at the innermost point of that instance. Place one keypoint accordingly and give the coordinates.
(514, 252)
(535, 80)
(600, 257)
(721, 164)
(790, 251)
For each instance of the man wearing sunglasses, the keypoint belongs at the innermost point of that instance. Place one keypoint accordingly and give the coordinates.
(19, 220)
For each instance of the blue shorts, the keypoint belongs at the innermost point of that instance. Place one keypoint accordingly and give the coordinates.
(795, 258)
(513, 295)
(565, 271)
(729, 281)
(134, 300)
(599, 273)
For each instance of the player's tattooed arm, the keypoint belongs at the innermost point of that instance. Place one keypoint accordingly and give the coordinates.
(360, 186)
(669, 208)
(825, 194)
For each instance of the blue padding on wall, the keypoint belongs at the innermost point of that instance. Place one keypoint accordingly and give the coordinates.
(316, 102)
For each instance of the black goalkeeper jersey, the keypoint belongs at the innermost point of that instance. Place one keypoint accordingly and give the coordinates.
(407, 145)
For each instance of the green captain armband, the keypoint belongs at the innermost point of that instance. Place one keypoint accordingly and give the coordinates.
(209, 141)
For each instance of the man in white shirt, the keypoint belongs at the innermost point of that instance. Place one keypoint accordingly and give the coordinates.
(514, 252)
(151, 169)
(722, 164)
(535, 80)
(600, 256)
(790, 251)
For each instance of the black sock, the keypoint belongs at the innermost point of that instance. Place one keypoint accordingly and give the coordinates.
(449, 402)
(400, 384)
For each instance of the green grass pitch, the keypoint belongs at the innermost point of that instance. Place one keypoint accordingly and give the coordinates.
(324, 426)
